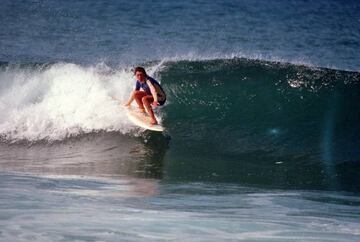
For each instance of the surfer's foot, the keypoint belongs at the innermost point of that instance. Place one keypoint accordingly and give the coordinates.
(153, 122)
(142, 110)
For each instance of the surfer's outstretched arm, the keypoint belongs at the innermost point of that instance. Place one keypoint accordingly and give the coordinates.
(131, 99)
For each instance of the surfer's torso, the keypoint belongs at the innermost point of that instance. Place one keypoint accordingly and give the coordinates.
(144, 85)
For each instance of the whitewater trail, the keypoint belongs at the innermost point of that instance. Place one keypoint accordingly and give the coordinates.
(63, 100)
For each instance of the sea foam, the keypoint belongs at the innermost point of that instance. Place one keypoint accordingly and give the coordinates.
(63, 100)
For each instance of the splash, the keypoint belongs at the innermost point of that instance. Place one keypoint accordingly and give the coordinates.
(63, 100)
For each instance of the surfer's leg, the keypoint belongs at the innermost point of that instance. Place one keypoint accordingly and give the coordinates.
(146, 100)
(138, 95)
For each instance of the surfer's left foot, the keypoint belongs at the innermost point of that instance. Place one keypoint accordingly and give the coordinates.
(153, 122)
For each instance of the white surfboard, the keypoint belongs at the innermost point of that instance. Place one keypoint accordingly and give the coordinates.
(142, 119)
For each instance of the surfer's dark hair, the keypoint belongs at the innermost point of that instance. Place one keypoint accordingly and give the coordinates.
(140, 69)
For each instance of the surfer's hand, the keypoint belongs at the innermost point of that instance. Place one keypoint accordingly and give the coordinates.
(155, 104)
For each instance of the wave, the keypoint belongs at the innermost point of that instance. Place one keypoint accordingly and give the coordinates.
(229, 119)
(249, 120)
(53, 101)
(249, 104)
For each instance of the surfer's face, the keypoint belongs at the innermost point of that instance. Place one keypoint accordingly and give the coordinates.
(140, 76)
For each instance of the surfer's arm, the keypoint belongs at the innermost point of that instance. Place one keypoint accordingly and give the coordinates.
(153, 91)
(131, 99)
(132, 95)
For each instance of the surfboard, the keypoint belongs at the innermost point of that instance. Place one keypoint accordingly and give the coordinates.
(142, 119)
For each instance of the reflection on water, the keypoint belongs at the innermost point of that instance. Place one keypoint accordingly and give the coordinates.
(99, 155)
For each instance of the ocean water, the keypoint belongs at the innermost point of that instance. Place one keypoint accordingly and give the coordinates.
(262, 121)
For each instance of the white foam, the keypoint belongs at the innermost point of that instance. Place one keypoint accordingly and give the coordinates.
(63, 100)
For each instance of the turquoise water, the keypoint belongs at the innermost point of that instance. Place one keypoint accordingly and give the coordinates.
(262, 121)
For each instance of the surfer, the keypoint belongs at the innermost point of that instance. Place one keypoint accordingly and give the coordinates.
(147, 92)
